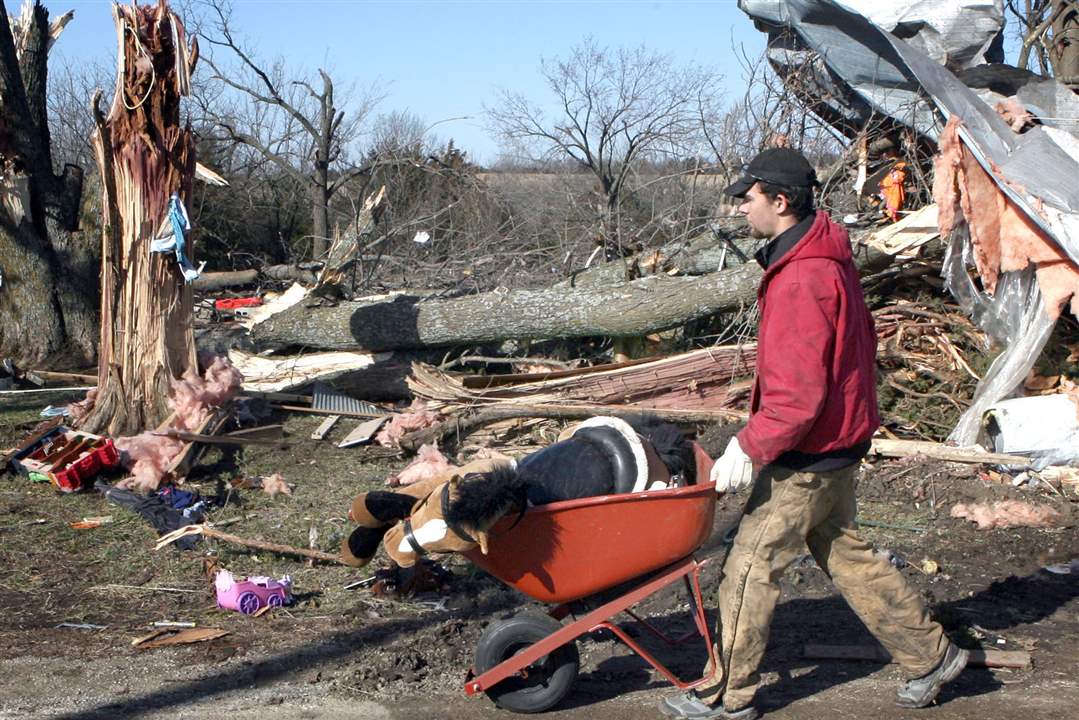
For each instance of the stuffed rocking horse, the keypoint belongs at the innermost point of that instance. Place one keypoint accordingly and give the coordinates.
(454, 512)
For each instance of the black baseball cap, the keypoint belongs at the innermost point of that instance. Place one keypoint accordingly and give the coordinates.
(782, 166)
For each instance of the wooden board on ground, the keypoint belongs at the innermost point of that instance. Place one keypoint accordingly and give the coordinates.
(325, 427)
(363, 432)
(978, 658)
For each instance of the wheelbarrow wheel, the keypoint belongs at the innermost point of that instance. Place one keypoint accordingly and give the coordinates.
(542, 684)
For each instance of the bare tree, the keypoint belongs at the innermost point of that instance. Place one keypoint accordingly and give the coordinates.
(71, 124)
(612, 107)
(1049, 31)
(297, 124)
(45, 308)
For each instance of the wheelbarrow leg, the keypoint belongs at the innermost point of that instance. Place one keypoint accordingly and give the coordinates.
(597, 619)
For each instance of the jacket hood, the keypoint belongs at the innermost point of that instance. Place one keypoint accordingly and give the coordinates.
(825, 239)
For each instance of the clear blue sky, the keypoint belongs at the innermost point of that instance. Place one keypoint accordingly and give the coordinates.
(445, 59)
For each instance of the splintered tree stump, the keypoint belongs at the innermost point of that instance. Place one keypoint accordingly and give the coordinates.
(145, 156)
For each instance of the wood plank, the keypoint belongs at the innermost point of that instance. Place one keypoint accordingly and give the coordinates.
(988, 658)
(219, 439)
(936, 451)
(317, 411)
(49, 375)
(325, 427)
(363, 432)
(262, 432)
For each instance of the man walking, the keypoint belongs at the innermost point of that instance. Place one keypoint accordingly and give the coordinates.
(812, 414)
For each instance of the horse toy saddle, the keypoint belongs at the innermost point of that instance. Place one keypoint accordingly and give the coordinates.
(453, 512)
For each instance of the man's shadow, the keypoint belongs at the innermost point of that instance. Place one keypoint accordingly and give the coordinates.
(1003, 604)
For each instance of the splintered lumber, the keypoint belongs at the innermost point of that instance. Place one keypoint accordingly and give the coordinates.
(947, 453)
(971, 454)
(487, 414)
(632, 308)
(237, 540)
(167, 637)
(274, 374)
(989, 658)
(220, 439)
(697, 380)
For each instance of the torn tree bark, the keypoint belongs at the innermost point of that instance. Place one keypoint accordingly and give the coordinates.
(145, 157)
(633, 308)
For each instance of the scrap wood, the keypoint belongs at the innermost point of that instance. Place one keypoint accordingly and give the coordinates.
(947, 453)
(320, 411)
(696, 380)
(143, 588)
(363, 432)
(903, 238)
(227, 439)
(490, 413)
(165, 637)
(79, 378)
(278, 397)
(262, 432)
(486, 381)
(236, 540)
(276, 374)
(988, 658)
(32, 391)
(325, 427)
(189, 455)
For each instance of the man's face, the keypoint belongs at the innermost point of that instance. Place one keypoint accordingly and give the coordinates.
(761, 212)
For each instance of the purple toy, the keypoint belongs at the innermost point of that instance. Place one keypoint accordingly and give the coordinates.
(249, 595)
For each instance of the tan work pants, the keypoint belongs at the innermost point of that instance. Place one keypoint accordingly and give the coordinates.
(786, 511)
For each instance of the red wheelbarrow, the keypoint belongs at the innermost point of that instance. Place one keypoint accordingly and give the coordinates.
(575, 550)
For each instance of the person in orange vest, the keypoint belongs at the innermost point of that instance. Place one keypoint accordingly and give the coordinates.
(892, 188)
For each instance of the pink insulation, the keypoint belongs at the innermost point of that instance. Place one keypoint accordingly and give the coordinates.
(1015, 114)
(193, 399)
(1006, 514)
(275, 484)
(147, 457)
(429, 462)
(1003, 238)
(416, 418)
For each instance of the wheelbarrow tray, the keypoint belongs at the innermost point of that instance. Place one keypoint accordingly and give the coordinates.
(568, 550)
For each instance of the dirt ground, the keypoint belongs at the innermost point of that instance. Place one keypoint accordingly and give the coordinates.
(340, 652)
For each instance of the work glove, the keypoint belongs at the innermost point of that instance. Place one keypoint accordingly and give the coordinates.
(733, 470)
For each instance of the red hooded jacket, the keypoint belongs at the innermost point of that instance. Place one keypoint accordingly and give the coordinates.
(815, 389)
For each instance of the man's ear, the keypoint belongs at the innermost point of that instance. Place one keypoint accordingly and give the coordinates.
(781, 203)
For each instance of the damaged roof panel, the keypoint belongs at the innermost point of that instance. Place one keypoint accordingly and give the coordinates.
(1037, 169)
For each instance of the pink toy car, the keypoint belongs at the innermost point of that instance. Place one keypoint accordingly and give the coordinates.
(252, 594)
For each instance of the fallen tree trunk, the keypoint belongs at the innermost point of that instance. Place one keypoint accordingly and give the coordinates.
(237, 278)
(633, 308)
(220, 280)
